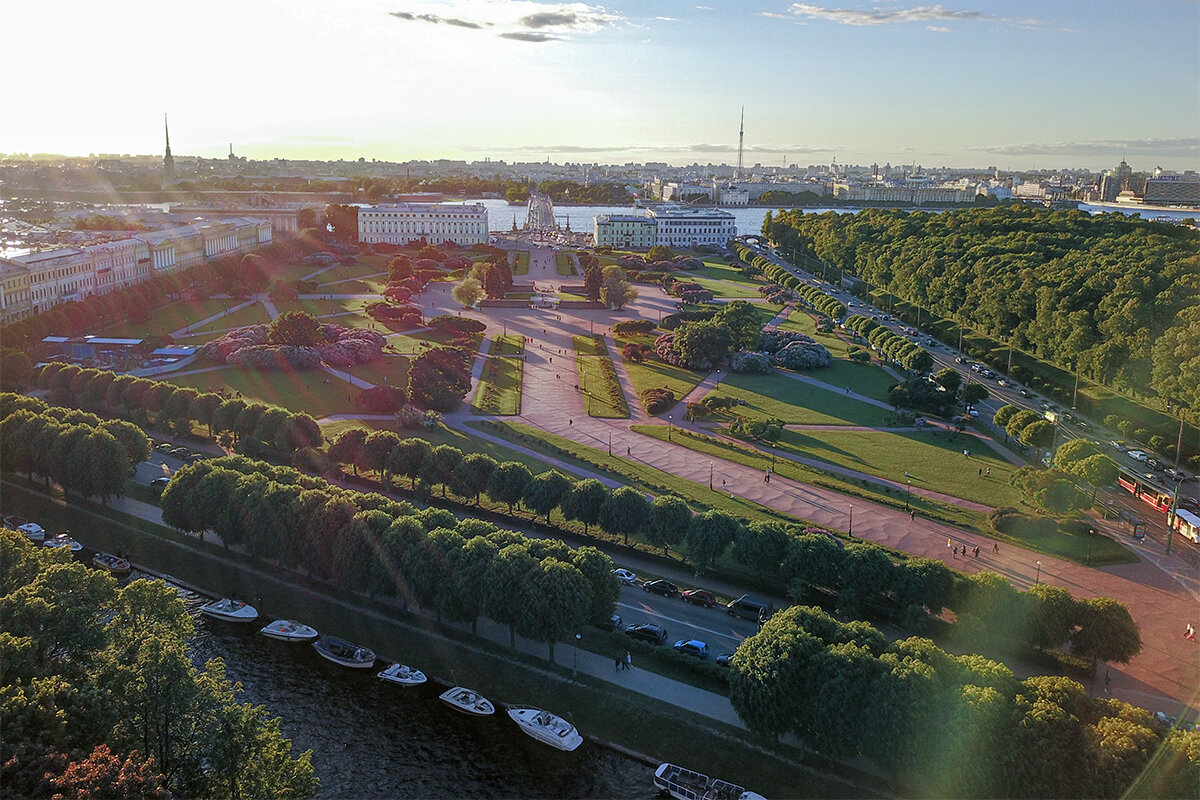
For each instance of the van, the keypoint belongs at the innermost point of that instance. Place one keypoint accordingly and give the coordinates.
(749, 607)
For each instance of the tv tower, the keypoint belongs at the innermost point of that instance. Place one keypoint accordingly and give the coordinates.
(737, 176)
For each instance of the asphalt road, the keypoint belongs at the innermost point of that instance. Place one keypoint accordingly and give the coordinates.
(683, 620)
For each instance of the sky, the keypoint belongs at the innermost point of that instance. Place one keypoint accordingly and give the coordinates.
(1018, 84)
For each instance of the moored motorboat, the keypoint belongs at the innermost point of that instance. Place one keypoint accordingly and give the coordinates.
(467, 701)
(111, 563)
(288, 630)
(230, 610)
(684, 784)
(546, 727)
(341, 652)
(63, 540)
(402, 674)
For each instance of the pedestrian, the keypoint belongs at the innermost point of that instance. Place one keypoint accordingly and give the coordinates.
(966, 453)
(570, 422)
(912, 516)
(628, 451)
(628, 660)
(618, 662)
(956, 551)
(556, 375)
(847, 390)
(1191, 633)
(722, 484)
(996, 547)
(987, 473)
(977, 551)
(980, 472)
(947, 542)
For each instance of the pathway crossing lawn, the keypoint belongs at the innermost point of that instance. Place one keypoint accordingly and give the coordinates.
(295, 391)
(933, 461)
(657, 374)
(320, 308)
(865, 379)
(253, 314)
(172, 318)
(386, 371)
(796, 402)
(360, 270)
(437, 436)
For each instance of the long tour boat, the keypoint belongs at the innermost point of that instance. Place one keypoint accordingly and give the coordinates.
(683, 784)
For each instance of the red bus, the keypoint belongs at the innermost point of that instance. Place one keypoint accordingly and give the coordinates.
(1145, 491)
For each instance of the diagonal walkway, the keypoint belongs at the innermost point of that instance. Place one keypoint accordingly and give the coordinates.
(186, 330)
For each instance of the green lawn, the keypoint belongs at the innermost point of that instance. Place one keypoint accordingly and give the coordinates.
(520, 264)
(602, 394)
(319, 308)
(343, 272)
(253, 314)
(296, 391)
(172, 318)
(509, 345)
(931, 460)
(801, 322)
(420, 341)
(386, 371)
(589, 346)
(720, 288)
(867, 379)
(659, 374)
(565, 264)
(795, 402)
(499, 389)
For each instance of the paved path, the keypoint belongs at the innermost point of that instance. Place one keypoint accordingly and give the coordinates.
(186, 330)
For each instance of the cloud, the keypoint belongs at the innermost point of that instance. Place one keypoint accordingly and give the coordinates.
(899, 16)
(516, 20)
(524, 36)
(1180, 146)
(937, 28)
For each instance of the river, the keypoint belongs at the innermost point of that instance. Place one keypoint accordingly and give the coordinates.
(376, 740)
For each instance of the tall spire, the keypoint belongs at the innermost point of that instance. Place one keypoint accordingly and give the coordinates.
(737, 176)
(168, 160)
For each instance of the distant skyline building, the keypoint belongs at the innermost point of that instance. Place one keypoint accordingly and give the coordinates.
(168, 159)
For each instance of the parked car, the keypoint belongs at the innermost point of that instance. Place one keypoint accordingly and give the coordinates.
(700, 597)
(613, 623)
(164, 447)
(692, 647)
(1138, 455)
(749, 607)
(192, 458)
(160, 483)
(723, 659)
(665, 588)
(180, 452)
(654, 634)
(625, 576)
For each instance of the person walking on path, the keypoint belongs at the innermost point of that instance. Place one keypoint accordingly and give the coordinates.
(948, 543)
(912, 516)
(1190, 633)
(618, 663)
(628, 660)
(996, 548)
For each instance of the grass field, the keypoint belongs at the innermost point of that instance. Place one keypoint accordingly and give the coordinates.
(602, 394)
(564, 263)
(172, 318)
(343, 272)
(796, 402)
(659, 374)
(386, 371)
(801, 322)
(253, 314)
(520, 262)
(510, 345)
(588, 346)
(499, 390)
(419, 341)
(720, 288)
(296, 391)
(930, 459)
(320, 308)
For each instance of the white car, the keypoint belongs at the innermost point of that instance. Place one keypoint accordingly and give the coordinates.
(1138, 455)
(625, 576)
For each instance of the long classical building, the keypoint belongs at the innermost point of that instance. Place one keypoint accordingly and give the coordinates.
(36, 282)
(435, 223)
(673, 226)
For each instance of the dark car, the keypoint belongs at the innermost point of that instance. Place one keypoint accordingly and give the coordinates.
(700, 597)
(748, 607)
(655, 634)
(180, 452)
(665, 588)
(192, 458)
(613, 623)
(723, 659)
(160, 483)
(692, 647)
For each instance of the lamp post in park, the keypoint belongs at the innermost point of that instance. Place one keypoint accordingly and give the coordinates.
(1038, 579)
(575, 660)
(850, 527)
(710, 475)
(908, 497)
(670, 427)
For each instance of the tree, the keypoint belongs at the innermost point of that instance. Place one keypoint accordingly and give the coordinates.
(296, 328)
(17, 372)
(472, 474)
(1098, 470)
(659, 252)
(585, 502)
(407, 458)
(376, 453)
(625, 512)
(439, 378)
(439, 466)
(131, 437)
(593, 279)
(468, 292)
(545, 491)
(104, 775)
(1105, 631)
(604, 588)
(507, 483)
(1039, 433)
(949, 379)
(615, 290)
(708, 536)
(701, 345)
(973, 394)
(668, 521)
(1018, 420)
(1073, 451)
(556, 603)
(511, 571)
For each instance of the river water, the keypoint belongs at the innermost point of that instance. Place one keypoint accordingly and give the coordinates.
(376, 740)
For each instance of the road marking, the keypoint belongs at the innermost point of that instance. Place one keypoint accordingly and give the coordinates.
(733, 637)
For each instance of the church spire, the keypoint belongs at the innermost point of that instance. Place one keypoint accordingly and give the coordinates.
(168, 160)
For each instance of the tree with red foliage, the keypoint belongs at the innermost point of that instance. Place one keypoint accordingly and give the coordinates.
(103, 776)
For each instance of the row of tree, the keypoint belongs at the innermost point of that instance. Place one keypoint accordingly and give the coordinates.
(375, 546)
(233, 274)
(162, 403)
(949, 725)
(100, 696)
(75, 449)
(890, 345)
(810, 295)
(1111, 295)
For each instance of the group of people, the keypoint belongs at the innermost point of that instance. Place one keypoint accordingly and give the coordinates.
(625, 662)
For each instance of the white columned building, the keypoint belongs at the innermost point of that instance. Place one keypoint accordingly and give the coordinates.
(436, 223)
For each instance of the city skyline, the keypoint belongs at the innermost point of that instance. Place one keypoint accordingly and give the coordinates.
(1017, 85)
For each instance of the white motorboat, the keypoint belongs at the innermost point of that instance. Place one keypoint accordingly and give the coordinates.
(467, 701)
(343, 653)
(33, 532)
(230, 610)
(683, 784)
(112, 563)
(288, 630)
(63, 540)
(546, 727)
(403, 675)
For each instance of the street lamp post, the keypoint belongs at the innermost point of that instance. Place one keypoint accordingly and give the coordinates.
(575, 660)
(710, 475)
(610, 443)
(908, 496)
(1091, 537)
(1038, 579)
(670, 427)
(850, 527)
